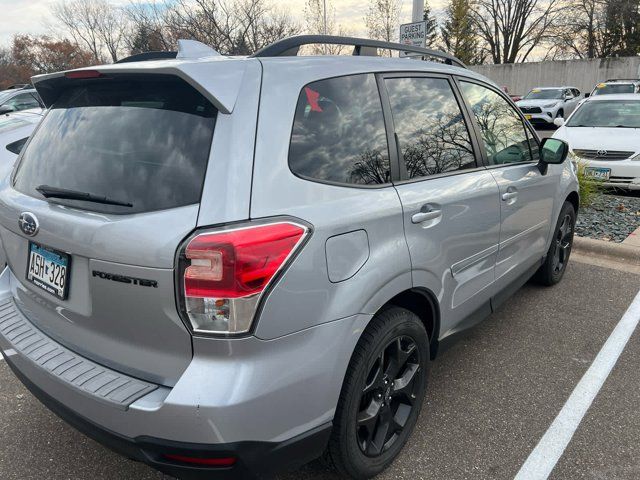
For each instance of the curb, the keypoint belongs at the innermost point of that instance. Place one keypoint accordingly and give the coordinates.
(618, 252)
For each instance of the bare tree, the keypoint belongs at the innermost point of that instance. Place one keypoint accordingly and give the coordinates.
(94, 25)
(580, 32)
(383, 19)
(234, 27)
(314, 15)
(513, 29)
(149, 27)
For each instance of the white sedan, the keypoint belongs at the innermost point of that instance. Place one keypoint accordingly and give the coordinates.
(604, 133)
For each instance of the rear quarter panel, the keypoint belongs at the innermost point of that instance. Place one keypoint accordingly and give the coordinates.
(305, 296)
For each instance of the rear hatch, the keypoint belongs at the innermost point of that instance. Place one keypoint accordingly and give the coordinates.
(104, 193)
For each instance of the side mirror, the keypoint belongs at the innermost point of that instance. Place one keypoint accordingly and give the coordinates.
(558, 122)
(587, 95)
(552, 152)
(6, 109)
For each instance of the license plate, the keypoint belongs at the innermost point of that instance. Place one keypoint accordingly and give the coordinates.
(528, 117)
(597, 173)
(49, 269)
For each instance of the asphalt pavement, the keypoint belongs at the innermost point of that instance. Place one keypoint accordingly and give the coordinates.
(492, 396)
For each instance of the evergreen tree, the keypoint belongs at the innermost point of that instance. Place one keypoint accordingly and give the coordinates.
(459, 34)
(432, 26)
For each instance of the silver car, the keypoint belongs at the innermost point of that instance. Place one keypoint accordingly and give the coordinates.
(18, 99)
(224, 267)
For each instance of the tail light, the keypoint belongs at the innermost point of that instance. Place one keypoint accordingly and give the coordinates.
(227, 271)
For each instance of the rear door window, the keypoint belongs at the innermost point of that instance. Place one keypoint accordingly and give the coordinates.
(430, 127)
(143, 140)
(338, 132)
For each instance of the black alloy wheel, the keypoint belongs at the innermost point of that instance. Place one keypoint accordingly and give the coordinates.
(388, 396)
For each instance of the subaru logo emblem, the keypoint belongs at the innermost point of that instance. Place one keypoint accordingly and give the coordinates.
(28, 223)
(602, 153)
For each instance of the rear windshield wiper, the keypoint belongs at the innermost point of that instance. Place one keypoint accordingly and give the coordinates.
(55, 192)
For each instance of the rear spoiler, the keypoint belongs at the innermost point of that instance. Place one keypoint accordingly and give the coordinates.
(219, 78)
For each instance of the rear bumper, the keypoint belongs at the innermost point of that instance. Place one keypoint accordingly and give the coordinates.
(250, 396)
(254, 459)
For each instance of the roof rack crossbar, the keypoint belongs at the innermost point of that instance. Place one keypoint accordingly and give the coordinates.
(362, 46)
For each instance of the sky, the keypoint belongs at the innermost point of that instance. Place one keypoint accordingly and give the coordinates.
(32, 16)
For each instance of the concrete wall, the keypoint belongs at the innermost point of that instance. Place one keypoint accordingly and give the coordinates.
(582, 74)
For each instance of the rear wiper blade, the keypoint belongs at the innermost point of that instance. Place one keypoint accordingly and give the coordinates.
(55, 192)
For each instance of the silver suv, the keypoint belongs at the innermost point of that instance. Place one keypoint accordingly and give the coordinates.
(224, 267)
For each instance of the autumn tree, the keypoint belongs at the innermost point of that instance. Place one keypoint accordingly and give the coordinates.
(29, 55)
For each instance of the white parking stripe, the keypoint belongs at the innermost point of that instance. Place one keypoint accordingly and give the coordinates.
(551, 446)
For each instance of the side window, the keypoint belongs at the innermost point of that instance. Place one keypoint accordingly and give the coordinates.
(23, 101)
(430, 127)
(339, 134)
(503, 132)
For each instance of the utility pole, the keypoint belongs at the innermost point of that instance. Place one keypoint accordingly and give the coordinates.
(418, 10)
(324, 10)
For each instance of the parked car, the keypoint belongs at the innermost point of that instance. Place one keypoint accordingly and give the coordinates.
(604, 133)
(223, 267)
(542, 106)
(615, 86)
(17, 99)
(15, 129)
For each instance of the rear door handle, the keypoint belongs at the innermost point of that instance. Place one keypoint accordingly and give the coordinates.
(424, 216)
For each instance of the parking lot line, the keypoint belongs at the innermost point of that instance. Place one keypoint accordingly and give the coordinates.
(544, 457)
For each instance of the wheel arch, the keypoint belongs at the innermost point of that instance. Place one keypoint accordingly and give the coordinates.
(574, 199)
(423, 303)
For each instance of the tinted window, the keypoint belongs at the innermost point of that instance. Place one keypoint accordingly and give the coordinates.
(338, 132)
(431, 130)
(142, 140)
(503, 132)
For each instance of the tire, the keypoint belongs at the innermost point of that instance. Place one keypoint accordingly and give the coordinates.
(554, 266)
(395, 340)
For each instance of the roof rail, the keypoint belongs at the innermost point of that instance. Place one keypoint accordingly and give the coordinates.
(622, 80)
(146, 56)
(362, 46)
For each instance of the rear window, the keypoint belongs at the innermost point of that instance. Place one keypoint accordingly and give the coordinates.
(612, 88)
(144, 141)
(338, 132)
